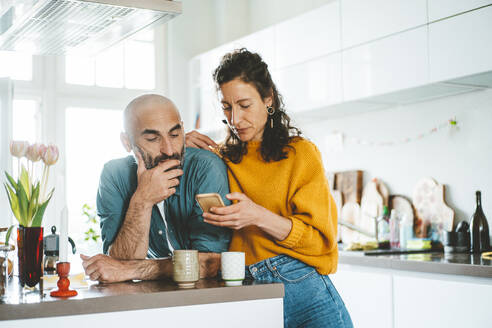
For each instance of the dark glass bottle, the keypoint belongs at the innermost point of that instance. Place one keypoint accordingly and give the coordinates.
(479, 229)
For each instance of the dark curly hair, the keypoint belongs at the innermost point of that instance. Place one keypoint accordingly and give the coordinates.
(250, 68)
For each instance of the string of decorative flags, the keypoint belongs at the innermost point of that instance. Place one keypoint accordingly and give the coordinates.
(336, 139)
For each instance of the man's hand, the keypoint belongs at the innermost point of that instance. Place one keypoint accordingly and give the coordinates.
(197, 140)
(209, 264)
(106, 269)
(156, 184)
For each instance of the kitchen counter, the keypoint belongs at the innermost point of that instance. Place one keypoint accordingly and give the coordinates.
(453, 264)
(128, 296)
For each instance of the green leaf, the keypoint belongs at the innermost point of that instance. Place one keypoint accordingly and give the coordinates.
(9, 232)
(11, 180)
(38, 217)
(33, 204)
(24, 181)
(14, 203)
(23, 204)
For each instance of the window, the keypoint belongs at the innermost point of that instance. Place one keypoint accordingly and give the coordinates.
(129, 64)
(92, 139)
(25, 124)
(16, 65)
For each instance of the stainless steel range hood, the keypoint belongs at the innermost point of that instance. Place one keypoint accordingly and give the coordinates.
(77, 26)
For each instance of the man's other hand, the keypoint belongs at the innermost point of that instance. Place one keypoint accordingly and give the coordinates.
(106, 269)
(158, 183)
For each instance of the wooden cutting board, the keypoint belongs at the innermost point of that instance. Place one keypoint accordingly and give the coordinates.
(350, 214)
(350, 185)
(432, 214)
(371, 207)
(403, 206)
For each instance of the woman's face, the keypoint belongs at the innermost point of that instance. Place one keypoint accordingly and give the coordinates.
(244, 109)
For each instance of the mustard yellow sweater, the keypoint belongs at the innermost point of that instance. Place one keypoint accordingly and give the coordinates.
(295, 188)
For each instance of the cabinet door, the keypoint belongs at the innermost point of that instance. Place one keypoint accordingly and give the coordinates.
(461, 45)
(308, 36)
(439, 9)
(210, 110)
(314, 84)
(364, 20)
(393, 63)
(367, 296)
(262, 42)
(441, 302)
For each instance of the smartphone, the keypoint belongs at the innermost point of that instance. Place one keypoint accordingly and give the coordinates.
(206, 201)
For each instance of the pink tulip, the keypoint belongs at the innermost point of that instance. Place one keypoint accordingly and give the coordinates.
(18, 148)
(42, 150)
(51, 154)
(33, 152)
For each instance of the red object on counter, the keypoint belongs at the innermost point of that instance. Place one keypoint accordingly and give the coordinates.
(63, 269)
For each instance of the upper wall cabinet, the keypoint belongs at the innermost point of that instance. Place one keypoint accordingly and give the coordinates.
(364, 20)
(313, 84)
(439, 9)
(308, 36)
(393, 63)
(461, 45)
(262, 42)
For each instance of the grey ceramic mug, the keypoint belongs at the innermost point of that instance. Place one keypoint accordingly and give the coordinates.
(186, 268)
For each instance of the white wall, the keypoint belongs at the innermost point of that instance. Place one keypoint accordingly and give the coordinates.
(461, 160)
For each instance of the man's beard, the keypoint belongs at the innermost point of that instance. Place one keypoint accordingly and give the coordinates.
(150, 162)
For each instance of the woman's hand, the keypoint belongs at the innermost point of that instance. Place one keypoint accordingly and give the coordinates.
(237, 216)
(197, 140)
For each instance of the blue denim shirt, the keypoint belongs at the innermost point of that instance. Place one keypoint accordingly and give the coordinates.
(203, 172)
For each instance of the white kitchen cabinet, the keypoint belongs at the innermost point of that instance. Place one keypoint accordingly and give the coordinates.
(367, 296)
(364, 20)
(262, 42)
(311, 35)
(210, 110)
(439, 9)
(314, 84)
(396, 62)
(438, 302)
(461, 45)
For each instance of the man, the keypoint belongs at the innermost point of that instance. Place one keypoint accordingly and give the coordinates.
(147, 206)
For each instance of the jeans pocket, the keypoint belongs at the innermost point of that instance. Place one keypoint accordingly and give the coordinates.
(293, 271)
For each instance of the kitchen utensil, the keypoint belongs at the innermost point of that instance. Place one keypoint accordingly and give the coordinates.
(383, 191)
(350, 184)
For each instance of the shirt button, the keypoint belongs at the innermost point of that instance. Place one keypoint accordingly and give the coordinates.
(160, 232)
(254, 269)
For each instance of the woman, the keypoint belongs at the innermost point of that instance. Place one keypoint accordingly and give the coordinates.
(283, 215)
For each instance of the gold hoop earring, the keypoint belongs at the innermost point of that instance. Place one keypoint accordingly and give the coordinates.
(270, 111)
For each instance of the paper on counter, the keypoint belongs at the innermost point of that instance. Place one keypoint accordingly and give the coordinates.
(76, 281)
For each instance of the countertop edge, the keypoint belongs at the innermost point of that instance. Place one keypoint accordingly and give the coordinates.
(140, 301)
(418, 266)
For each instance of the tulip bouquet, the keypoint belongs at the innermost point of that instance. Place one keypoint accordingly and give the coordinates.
(28, 196)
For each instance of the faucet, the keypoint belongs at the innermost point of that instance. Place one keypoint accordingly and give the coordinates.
(374, 235)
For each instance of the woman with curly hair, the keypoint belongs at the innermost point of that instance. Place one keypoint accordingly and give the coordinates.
(283, 217)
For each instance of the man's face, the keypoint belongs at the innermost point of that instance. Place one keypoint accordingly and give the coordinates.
(157, 134)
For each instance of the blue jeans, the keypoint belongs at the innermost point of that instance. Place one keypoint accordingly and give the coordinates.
(310, 299)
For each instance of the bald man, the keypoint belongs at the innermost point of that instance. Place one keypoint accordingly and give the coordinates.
(146, 202)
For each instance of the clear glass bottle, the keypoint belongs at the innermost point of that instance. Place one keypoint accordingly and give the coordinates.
(383, 226)
(394, 226)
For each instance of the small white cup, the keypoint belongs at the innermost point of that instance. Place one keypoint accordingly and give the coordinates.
(232, 267)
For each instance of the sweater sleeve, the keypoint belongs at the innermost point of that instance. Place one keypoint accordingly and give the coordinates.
(313, 210)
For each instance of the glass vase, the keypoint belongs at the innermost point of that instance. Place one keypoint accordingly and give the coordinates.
(30, 255)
